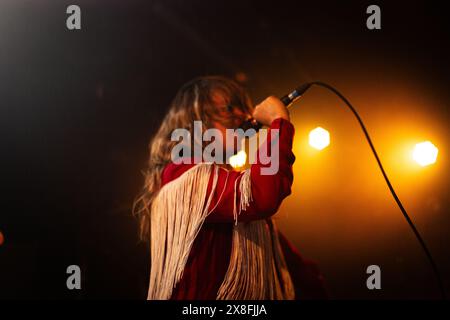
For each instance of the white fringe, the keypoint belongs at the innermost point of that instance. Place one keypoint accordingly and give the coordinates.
(257, 269)
(245, 194)
(177, 214)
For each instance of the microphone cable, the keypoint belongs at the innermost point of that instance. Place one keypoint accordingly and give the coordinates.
(297, 93)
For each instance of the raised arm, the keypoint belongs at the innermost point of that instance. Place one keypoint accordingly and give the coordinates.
(268, 191)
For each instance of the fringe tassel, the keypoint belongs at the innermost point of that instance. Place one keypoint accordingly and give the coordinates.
(245, 194)
(177, 215)
(257, 269)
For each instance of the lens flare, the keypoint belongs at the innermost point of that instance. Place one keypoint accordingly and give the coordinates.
(425, 153)
(238, 160)
(319, 138)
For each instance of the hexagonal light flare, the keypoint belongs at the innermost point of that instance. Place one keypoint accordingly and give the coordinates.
(425, 153)
(319, 138)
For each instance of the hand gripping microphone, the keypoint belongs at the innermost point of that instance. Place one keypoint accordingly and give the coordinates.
(287, 101)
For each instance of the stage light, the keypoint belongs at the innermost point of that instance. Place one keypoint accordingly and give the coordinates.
(319, 138)
(425, 153)
(238, 160)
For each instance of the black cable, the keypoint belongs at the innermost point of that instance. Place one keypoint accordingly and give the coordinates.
(405, 214)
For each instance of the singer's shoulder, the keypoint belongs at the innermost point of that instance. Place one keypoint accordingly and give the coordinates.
(173, 170)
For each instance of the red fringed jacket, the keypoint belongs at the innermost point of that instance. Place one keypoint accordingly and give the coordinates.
(209, 256)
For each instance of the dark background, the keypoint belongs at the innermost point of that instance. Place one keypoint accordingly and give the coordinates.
(77, 109)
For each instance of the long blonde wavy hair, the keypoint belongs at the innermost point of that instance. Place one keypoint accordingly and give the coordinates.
(193, 102)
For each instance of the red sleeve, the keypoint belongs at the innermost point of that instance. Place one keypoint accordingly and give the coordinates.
(267, 190)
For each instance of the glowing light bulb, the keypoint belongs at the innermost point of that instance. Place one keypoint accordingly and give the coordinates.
(425, 153)
(319, 138)
(238, 160)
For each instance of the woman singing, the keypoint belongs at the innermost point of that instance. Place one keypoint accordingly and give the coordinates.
(210, 228)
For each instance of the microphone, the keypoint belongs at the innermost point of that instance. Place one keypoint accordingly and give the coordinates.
(295, 95)
(287, 101)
